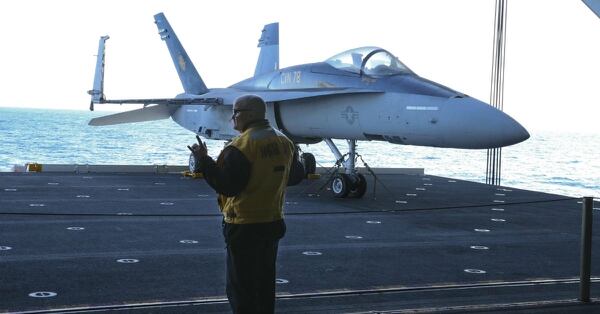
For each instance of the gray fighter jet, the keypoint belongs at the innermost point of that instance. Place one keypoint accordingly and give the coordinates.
(360, 94)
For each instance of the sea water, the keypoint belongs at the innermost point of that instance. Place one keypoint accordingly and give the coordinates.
(552, 162)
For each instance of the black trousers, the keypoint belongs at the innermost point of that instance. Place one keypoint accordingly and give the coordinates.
(251, 258)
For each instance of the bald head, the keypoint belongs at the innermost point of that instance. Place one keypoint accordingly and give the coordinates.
(251, 103)
(247, 109)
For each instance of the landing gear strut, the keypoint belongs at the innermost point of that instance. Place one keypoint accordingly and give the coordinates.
(350, 183)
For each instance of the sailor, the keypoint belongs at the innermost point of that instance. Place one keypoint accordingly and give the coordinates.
(250, 177)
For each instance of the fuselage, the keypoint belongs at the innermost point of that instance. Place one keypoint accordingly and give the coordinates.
(403, 109)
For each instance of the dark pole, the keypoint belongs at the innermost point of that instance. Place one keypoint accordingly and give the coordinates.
(494, 155)
(586, 249)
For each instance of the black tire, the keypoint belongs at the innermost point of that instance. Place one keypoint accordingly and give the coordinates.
(359, 186)
(309, 163)
(193, 165)
(340, 185)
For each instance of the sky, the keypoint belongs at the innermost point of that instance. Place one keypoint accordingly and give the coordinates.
(47, 56)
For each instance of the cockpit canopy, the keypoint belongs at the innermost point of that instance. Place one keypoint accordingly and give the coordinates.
(369, 60)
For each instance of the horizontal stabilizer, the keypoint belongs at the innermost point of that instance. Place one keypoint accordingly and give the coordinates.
(151, 113)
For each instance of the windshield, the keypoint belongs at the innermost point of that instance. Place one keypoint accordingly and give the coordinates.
(368, 60)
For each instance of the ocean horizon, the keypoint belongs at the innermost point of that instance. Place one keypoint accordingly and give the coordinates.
(562, 163)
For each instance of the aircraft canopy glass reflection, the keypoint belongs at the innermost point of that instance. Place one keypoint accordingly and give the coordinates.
(373, 61)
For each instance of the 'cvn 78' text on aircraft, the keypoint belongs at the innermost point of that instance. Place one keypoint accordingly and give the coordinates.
(360, 94)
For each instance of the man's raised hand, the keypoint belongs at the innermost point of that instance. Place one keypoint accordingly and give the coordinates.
(199, 150)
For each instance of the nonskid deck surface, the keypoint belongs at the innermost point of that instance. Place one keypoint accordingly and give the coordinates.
(152, 243)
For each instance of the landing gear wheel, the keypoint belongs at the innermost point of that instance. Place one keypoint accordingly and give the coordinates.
(193, 165)
(309, 163)
(340, 185)
(359, 186)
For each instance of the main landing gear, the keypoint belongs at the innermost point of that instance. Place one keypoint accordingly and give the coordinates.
(309, 163)
(350, 183)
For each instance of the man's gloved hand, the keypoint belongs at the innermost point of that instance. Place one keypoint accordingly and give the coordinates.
(199, 150)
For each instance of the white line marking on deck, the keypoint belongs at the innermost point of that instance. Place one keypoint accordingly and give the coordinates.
(10, 190)
(373, 222)
(76, 228)
(188, 241)
(479, 247)
(353, 237)
(166, 203)
(309, 253)
(498, 209)
(281, 281)
(37, 205)
(482, 230)
(498, 220)
(43, 294)
(127, 260)
(474, 271)
(5, 248)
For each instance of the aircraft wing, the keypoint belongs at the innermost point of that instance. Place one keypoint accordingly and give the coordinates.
(165, 101)
(165, 107)
(228, 95)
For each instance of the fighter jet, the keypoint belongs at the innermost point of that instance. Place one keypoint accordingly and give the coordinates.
(364, 94)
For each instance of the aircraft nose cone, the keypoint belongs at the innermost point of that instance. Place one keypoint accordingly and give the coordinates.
(485, 126)
(506, 130)
(519, 133)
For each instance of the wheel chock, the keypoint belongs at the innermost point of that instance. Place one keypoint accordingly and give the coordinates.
(34, 167)
(193, 175)
(313, 176)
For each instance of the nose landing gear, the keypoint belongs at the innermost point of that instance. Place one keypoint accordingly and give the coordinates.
(350, 183)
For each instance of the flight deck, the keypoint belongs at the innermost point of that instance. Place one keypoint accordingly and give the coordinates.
(151, 243)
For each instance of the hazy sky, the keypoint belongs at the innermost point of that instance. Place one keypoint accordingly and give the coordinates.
(552, 56)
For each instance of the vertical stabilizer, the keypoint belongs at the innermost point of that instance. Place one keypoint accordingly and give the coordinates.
(190, 79)
(268, 60)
